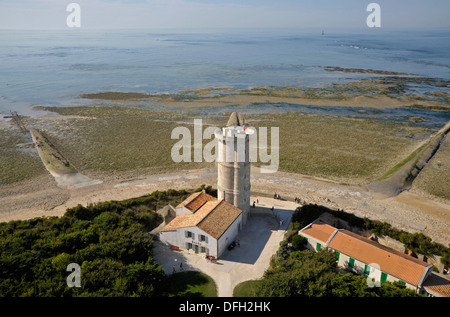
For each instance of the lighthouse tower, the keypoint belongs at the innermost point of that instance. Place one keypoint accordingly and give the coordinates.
(233, 163)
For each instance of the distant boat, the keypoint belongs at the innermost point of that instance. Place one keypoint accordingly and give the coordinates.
(323, 33)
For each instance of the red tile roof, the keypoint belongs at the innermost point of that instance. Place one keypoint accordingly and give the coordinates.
(219, 219)
(320, 231)
(196, 200)
(392, 262)
(213, 216)
(437, 285)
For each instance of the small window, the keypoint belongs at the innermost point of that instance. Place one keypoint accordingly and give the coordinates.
(318, 245)
(351, 262)
(367, 269)
(383, 277)
(337, 254)
(202, 238)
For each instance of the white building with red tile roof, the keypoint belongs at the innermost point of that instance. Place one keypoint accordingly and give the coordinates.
(364, 256)
(203, 224)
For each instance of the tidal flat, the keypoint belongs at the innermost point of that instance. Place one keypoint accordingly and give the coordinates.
(17, 164)
(379, 93)
(434, 178)
(137, 141)
(339, 132)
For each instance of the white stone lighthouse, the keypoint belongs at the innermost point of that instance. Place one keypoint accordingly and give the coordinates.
(233, 163)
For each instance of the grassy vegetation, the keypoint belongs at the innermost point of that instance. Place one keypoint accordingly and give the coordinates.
(108, 139)
(343, 149)
(116, 139)
(120, 139)
(413, 157)
(434, 178)
(16, 165)
(116, 95)
(191, 284)
(247, 289)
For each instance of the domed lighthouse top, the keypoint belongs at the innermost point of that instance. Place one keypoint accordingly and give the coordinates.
(235, 128)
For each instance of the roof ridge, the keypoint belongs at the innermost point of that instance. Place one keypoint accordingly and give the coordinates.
(383, 247)
(217, 202)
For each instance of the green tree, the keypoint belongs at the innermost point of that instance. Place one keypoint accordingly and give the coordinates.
(351, 285)
(395, 289)
(298, 242)
(302, 273)
(145, 279)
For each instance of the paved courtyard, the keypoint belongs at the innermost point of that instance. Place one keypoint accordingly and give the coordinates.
(259, 240)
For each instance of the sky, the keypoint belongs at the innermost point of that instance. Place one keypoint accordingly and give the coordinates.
(209, 14)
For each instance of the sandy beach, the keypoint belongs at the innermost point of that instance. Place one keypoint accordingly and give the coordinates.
(410, 211)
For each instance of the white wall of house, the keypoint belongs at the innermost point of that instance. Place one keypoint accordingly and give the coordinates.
(359, 267)
(313, 244)
(362, 268)
(197, 240)
(191, 238)
(229, 235)
(169, 237)
(182, 211)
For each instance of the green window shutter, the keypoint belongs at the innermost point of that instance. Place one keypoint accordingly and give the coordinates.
(318, 246)
(351, 262)
(367, 269)
(337, 253)
(383, 277)
(401, 282)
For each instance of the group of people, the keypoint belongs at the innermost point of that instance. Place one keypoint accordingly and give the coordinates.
(299, 201)
(276, 196)
(210, 258)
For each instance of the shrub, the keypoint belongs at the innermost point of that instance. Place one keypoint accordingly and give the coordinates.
(298, 242)
(109, 240)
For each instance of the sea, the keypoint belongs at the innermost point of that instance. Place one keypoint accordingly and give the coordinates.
(54, 67)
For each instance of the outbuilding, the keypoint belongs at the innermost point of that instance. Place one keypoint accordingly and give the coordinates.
(364, 256)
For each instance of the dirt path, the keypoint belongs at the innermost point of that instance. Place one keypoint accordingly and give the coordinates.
(409, 211)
